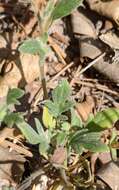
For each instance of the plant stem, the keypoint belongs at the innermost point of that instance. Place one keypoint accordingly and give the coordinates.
(43, 81)
(41, 65)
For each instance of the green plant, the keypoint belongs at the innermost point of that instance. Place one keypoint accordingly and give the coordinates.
(7, 115)
(62, 127)
(54, 9)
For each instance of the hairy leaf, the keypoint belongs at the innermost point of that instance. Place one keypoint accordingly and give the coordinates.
(35, 46)
(43, 149)
(61, 138)
(48, 119)
(29, 133)
(61, 102)
(57, 109)
(3, 112)
(104, 119)
(39, 128)
(13, 118)
(13, 96)
(30, 46)
(64, 8)
(52, 108)
(88, 140)
(44, 136)
(46, 15)
(66, 126)
(75, 119)
(62, 92)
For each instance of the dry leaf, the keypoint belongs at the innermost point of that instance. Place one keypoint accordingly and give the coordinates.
(85, 108)
(111, 71)
(109, 9)
(59, 155)
(11, 165)
(111, 39)
(108, 25)
(109, 173)
(104, 157)
(22, 72)
(82, 25)
(90, 47)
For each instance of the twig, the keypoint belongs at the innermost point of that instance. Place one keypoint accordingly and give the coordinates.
(98, 86)
(75, 76)
(43, 81)
(92, 63)
(112, 100)
(61, 72)
(27, 182)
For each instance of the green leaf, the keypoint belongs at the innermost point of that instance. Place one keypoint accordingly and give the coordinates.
(75, 136)
(104, 119)
(57, 109)
(48, 120)
(13, 96)
(13, 118)
(88, 140)
(112, 141)
(30, 46)
(61, 102)
(44, 136)
(3, 112)
(96, 146)
(62, 92)
(75, 119)
(39, 128)
(29, 133)
(43, 149)
(35, 46)
(61, 138)
(64, 8)
(78, 148)
(52, 108)
(66, 106)
(65, 126)
(41, 132)
(46, 15)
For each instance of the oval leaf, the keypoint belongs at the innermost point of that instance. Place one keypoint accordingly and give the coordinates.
(36, 46)
(48, 120)
(29, 133)
(30, 46)
(13, 96)
(3, 112)
(105, 119)
(62, 92)
(88, 140)
(64, 8)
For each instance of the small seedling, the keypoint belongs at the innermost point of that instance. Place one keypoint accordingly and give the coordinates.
(7, 116)
(60, 124)
(62, 127)
(54, 10)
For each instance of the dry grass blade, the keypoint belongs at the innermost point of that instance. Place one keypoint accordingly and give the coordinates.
(92, 63)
